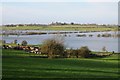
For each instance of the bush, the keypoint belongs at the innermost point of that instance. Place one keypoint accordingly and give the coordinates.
(69, 53)
(52, 47)
(83, 52)
(24, 43)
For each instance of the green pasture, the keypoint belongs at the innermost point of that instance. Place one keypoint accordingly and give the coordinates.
(19, 64)
(62, 27)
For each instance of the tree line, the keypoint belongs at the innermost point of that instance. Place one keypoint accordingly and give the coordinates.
(55, 48)
(59, 23)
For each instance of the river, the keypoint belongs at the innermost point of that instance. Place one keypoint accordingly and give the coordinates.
(71, 40)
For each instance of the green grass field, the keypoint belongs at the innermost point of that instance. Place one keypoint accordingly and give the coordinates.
(19, 64)
(62, 27)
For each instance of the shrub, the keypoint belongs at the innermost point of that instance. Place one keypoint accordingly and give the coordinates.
(24, 43)
(52, 47)
(83, 52)
(69, 53)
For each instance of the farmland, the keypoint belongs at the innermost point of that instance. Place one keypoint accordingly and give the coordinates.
(19, 64)
(64, 28)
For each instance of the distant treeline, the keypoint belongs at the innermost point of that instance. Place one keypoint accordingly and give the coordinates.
(59, 23)
(16, 25)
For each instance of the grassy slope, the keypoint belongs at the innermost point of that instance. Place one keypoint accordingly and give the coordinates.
(27, 67)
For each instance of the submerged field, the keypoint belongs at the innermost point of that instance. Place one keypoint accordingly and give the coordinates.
(19, 64)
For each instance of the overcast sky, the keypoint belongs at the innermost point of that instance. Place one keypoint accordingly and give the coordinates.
(47, 12)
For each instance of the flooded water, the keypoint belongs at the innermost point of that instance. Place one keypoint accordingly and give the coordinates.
(71, 40)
